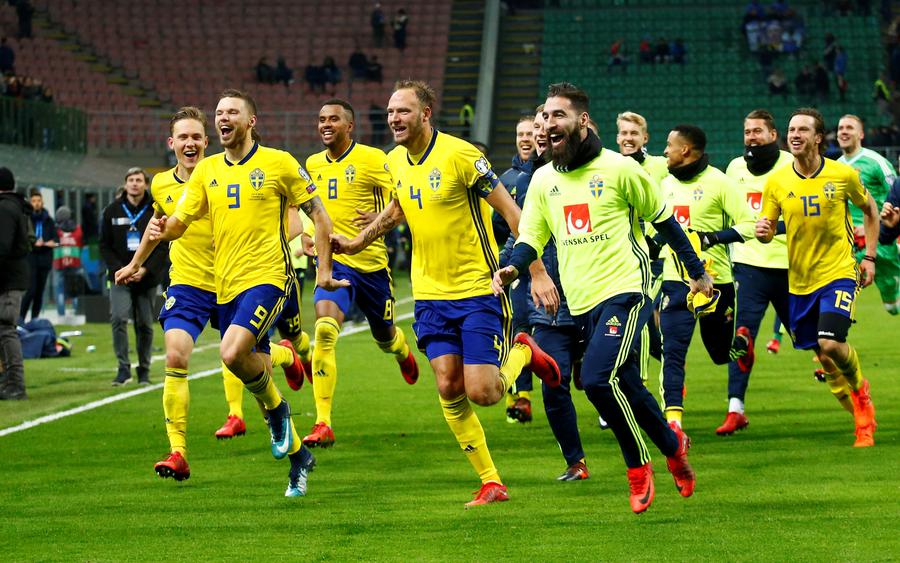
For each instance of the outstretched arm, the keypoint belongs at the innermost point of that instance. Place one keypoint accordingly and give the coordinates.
(316, 211)
(389, 218)
(132, 271)
(166, 228)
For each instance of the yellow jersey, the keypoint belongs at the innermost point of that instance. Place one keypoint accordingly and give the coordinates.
(454, 255)
(358, 179)
(192, 255)
(753, 252)
(656, 166)
(247, 203)
(817, 219)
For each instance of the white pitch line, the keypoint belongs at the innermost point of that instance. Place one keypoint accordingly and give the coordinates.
(148, 389)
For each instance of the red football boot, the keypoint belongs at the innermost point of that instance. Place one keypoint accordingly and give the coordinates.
(734, 421)
(234, 426)
(678, 465)
(321, 436)
(640, 482)
(295, 372)
(409, 369)
(745, 362)
(489, 492)
(864, 416)
(174, 466)
(542, 364)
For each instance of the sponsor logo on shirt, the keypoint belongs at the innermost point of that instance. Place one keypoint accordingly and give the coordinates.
(613, 321)
(554, 191)
(214, 184)
(754, 200)
(578, 219)
(682, 214)
(791, 195)
(169, 199)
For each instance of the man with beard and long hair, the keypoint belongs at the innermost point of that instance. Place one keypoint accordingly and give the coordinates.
(445, 188)
(359, 184)
(760, 271)
(246, 191)
(590, 202)
(813, 196)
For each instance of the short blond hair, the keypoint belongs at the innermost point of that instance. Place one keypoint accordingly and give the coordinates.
(632, 117)
(424, 93)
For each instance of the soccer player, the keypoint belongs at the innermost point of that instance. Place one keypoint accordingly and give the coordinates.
(246, 191)
(877, 175)
(760, 271)
(705, 200)
(190, 297)
(359, 184)
(812, 196)
(440, 185)
(515, 180)
(590, 201)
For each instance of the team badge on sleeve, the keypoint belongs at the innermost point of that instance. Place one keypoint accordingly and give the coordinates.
(304, 174)
(482, 166)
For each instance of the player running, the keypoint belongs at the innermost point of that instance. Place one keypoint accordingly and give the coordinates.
(358, 183)
(246, 191)
(190, 297)
(441, 184)
(812, 196)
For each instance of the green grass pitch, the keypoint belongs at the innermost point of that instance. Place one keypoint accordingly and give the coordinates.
(790, 487)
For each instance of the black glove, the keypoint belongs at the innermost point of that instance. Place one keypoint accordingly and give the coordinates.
(654, 247)
(707, 240)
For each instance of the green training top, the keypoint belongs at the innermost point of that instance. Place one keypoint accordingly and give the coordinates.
(875, 173)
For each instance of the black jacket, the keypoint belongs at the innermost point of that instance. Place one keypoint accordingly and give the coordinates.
(114, 229)
(15, 242)
(44, 229)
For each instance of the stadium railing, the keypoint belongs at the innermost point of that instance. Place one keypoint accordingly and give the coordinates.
(42, 125)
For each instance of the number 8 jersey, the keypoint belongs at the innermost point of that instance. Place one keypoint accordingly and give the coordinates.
(817, 218)
(441, 193)
(247, 202)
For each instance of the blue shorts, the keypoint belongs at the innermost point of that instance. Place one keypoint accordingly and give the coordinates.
(187, 308)
(289, 323)
(372, 293)
(254, 309)
(476, 328)
(825, 313)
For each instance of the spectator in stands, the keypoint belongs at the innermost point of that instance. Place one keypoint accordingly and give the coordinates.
(67, 260)
(646, 50)
(895, 64)
(265, 74)
(617, 56)
(89, 218)
(379, 124)
(377, 20)
(332, 73)
(829, 52)
(805, 84)
(25, 11)
(374, 71)
(14, 87)
(678, 51)
(399, 23)
(779, 9)
(840, 61)
(7, 58)
(15, 244)
(40, 261)
(283, 73)
(822, 82)
(662, 53)
(882, 96)
(315, 77)
(778, 84)
(123, 224)
(47, 94)
(358, 63)
(466, 117)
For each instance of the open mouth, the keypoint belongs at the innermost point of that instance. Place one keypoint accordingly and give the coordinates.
(190, 153)
(327, 134)
(225, 131)
(628, 145)
(556, 139)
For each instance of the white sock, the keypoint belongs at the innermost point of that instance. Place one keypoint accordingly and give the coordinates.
(735, 405)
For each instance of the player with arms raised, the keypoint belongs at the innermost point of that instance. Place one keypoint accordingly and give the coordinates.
(813, 195)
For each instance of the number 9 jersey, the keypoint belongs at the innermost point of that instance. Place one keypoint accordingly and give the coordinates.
(441, 193)
(247, 202)
(817, 219)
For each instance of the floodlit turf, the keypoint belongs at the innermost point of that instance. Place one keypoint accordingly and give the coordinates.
(790, 487)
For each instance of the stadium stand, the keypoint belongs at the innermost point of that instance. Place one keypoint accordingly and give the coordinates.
(720, 81)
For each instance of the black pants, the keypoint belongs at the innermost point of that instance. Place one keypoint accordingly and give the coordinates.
(34, 297)
(563, 345)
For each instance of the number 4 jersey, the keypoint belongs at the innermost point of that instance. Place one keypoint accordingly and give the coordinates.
(247, 202)
(817, 218)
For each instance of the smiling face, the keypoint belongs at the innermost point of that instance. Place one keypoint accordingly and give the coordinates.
(677, 149)
(631, 138)
(407, 118)
(189, 141)
(540, 133)
(802, 137)
(525, 139)
(566, 128)
(850, 134)
(335, 125)
(757, 132)
(233, 122)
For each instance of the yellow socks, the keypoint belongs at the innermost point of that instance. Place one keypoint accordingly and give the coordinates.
(301, 345)
(234, 392)
(176, 401)
(281, 355)
(674, 415)
(324, 366)
(396, 346)
(518, 358)
(850, 369)
(263, 388)
(470, 435)
(840, 389)
(297, 441)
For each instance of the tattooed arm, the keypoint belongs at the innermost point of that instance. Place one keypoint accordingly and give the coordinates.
(316, 211)
(386, 220)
